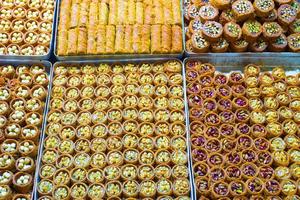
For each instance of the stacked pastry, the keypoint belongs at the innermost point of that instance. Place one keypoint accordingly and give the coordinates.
(239, 26)
(115, 132)
(26, 27)
(23, 91)
(119, 27)
(244, 134)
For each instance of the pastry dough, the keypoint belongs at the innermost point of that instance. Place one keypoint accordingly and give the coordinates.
(176, 12)
(139, 11)
(62, 42)
(110, 39)
(119, 44)
(166, 37)
(145, 43)
(101, 36)
(83, 16)
(156, 39)
(72, 41)
(91, 43)
(176, 39)
(103, 13)
(112, 12)
(136, 38)
(128, 39)
(131, 12)
(82, 42)
(74, 15)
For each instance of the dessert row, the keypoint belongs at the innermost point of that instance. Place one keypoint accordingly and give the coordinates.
(119, 39)
(119, 26)
(23, 90)
(244, 130)
(115, 131)
(26, 27)
(239, 26)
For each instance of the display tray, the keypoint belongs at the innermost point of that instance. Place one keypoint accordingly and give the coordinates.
(226, 65)
(115, 62)
(37, 57)
(108, 56)
(247, 53)
(48, 67)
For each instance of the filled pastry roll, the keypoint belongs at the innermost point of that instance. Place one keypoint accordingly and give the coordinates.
(145, 42)
(168, 14)
(158, 11)
(72, 41)
(91, 40)
(121, 12)
(84, 15)
(112, 19)
(64, 18)
(176, 38)
(62, 42)
(139, 13)
(101, 36)
(155, 39)
(136, 38)
(110, 39)
(82, 41)
(131, 12)
(128, 39)
(119, 43)
(93, 14)
(176, 12)
(166, 38)
(148, 14)
(74, 15)
(103, 13)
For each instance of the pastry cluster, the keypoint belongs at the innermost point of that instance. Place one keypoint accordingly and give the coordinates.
(26, 26)
(115, 131)
(23, 92)
(239, 26)
(89, 27)
(244, 132)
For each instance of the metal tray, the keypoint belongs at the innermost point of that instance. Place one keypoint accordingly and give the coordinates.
(48, 68)
(227, 65)
(138, 60)
(116, 56)
(37, 57)
(232, 54)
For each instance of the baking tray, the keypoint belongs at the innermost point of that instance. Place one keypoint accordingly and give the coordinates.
(110, 61)
(233, 54)
(229, 64)
(48, 68)
(37, 57)
(116, 56)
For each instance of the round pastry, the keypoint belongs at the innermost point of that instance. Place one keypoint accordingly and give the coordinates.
(199, 43)
(263, 8)
(271, 30)
(221, 4)
(279, 44)
(259, 46)
(251, 30)
(208, 13)
(212, 31)
(242, 10)
(286, 14)
(240, 45)
(232, 31)
(294, 42)
(226, 16)
(220, 46)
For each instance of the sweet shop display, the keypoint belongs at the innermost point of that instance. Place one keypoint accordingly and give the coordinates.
(244, 130)
(23, 91)
(115, 131)
(241, 26)
(96, 27)
(26, 27)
